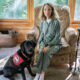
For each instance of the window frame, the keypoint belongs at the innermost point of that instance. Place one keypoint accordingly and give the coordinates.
(30, 10)
(30, 14)
(72, 11)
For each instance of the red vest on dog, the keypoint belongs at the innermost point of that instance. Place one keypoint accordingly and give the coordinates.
(17, 60)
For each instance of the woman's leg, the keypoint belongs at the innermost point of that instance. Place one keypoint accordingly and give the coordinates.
(39, 66)
(45, 60)
(40, 63)
(45, 63)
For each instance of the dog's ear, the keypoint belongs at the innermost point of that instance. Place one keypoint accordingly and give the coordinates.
(33, 42)
(22, 46)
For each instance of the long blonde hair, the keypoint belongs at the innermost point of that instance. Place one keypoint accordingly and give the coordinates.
(54, 14)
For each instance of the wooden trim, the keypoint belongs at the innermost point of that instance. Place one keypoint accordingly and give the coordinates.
(75, 26)
(72, 11)
(31, 16)
(75, 22)
(28, 20)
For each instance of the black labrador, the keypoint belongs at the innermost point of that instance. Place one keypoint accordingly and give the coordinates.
(18, 61)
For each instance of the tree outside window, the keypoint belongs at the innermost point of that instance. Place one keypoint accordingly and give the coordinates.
(13, 9)
(77, 10)
(55, 2)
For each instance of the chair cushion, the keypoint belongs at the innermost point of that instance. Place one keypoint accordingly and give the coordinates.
(59, 60)
(65, 48)
(62, 56)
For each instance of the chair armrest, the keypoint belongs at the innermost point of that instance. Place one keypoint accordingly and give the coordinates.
(71, 36)
(33, 34)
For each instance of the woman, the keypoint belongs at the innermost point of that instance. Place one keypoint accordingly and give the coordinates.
(49, 41)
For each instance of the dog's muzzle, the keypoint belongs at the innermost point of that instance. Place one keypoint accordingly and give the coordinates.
(31, 50)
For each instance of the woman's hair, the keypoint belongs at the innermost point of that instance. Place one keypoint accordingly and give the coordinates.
(54, 14)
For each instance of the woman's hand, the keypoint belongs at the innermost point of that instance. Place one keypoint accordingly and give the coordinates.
(45, 49)
(38, 47)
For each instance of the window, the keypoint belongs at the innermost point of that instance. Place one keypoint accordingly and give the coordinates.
(74, 13)
(77, 10)
(13, 9)
(55, 2)
(17, 11)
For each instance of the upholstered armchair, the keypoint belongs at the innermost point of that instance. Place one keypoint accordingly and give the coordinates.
(66, 55)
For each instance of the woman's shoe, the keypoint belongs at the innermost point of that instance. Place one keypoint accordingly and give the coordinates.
(41, 77)
(37, 76)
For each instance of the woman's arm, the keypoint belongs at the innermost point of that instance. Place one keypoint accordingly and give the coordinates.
(52, 32)
(41, 33)
(57, 39)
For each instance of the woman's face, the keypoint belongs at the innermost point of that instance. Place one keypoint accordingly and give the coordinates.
(47, 11)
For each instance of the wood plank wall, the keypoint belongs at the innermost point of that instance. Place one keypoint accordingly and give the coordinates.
(22, 29)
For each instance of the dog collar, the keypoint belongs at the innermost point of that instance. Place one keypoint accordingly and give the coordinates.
(24, 55)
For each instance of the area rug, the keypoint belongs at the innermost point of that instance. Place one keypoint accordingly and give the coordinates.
(53, 73)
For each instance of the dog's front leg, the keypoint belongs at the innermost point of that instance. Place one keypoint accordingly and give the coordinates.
(23, 74)
(11, 78)
(30, 71)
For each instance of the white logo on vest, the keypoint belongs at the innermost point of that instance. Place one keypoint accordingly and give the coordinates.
(16, 59)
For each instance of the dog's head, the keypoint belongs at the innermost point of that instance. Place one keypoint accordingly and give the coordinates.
(27, 47)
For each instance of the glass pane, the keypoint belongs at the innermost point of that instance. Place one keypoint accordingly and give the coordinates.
(13, 9)
(77, 10)
(55, 2)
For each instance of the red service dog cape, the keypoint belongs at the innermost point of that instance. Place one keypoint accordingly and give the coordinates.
(17, 60)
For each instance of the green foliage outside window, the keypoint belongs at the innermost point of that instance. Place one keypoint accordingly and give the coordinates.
(77, 10)
(13, 9)
(55, 2)
(17, 9)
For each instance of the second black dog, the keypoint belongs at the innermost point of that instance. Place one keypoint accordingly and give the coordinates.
(18, 61)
